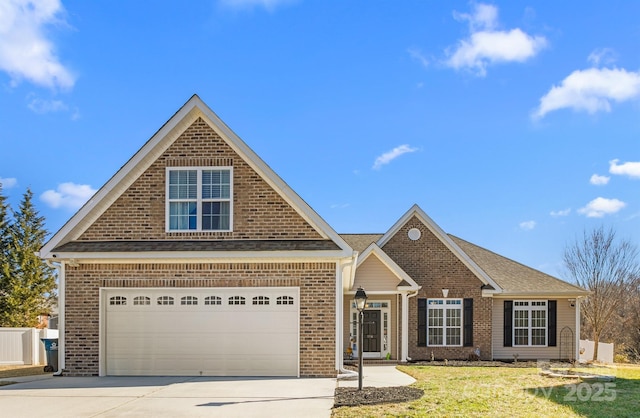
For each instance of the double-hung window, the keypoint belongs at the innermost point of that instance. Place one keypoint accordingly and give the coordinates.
(530, 322)
(444, 322)
(199, 199)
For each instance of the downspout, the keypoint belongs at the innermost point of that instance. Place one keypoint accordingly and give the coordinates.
(405, 324)
(577, 336)
(59, 266)
(343, 373)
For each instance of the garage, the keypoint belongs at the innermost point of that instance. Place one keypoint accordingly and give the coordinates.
(200, 331)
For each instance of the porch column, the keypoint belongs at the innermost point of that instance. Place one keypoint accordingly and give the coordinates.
(404, 343)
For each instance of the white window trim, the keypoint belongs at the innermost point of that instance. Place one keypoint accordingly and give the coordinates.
(445, 308)
(199, 199)
(530, 308)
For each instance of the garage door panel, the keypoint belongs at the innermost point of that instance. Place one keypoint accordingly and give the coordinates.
(208, 340)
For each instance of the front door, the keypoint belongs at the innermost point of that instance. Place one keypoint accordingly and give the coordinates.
(371, 332)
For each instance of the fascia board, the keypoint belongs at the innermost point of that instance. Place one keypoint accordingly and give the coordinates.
(374, 250)
(531, 295)
(443, 237)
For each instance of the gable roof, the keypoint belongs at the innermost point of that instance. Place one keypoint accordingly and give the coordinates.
(516, 279)
(404, 280)
(489, 284)
(194, 108)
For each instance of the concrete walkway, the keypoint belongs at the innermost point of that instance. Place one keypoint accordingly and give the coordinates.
(379, 376)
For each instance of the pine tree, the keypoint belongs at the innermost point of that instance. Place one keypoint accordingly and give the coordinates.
(30, 288)
(5, 239)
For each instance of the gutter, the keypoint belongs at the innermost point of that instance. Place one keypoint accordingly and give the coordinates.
(59, 266)
(343, 373)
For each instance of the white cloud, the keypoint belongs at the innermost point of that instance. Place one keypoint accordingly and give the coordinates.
(387, 157)
(25, 51)
(250, 4)
(599, 180)
(601, 206)
(631, 169)
(8, 182)
(487, 46)
(591, 90)
(527, 225)
(68, 195)
(558, 213)
(602, 56)
(340, 205)
(47, 106)
(418, 56)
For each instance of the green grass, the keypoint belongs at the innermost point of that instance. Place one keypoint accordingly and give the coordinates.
(510, 392)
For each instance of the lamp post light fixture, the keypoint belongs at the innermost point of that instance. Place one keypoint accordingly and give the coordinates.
(361, 303)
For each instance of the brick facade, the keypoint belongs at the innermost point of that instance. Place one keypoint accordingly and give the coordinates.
(434, 267)
(317, 303)
(258, 211)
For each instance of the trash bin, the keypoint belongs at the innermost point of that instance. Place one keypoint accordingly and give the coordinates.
(51, 347)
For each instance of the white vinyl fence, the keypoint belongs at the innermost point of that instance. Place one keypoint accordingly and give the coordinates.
(23, 345)
(605, 351)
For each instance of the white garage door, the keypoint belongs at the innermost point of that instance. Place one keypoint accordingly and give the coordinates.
(201, 332)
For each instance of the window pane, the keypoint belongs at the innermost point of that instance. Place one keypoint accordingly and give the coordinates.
(183, 184)
(521, 336)
(454, 318)
(216, 184)
(215, 215)
(435, 336)
(453, 336)
(182, 215)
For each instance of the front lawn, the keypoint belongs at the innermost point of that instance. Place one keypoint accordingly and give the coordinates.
(510, 392)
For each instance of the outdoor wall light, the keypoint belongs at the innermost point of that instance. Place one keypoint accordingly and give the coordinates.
(361, 303)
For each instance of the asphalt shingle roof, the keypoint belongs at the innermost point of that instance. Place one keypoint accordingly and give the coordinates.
(196, 245)
(512, 276)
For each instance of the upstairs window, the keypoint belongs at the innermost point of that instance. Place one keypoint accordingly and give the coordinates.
(199, 199)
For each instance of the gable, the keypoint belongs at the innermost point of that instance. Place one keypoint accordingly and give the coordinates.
(131, 206)
(259, 211)
(373, 275)
(434, 255)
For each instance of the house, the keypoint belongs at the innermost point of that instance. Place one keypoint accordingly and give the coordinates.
(432, 295)
(196, 258)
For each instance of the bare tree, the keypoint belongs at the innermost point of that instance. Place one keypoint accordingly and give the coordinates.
(606, 267)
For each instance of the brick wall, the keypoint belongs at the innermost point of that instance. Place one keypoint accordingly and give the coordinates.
(317, 304)
(258, 211)
(434, 267)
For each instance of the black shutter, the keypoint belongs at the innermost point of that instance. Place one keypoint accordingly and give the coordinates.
(552, 307)
(422, 322)
(508, 323)
(467, 318)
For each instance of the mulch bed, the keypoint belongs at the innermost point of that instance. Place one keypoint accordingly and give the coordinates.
(372, 396)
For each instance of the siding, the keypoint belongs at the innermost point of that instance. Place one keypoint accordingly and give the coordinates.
(373, 275)
(565, 318)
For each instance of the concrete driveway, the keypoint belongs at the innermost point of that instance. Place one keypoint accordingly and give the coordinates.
(168, 397)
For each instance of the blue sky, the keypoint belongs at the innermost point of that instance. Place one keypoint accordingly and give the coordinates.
(514, 125)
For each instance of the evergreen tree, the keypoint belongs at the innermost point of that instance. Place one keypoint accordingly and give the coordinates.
(5, 240)
(30, 288)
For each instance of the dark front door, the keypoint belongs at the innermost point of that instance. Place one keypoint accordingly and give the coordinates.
(371, 332)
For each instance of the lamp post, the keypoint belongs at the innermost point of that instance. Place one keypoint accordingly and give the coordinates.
(361, 302)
